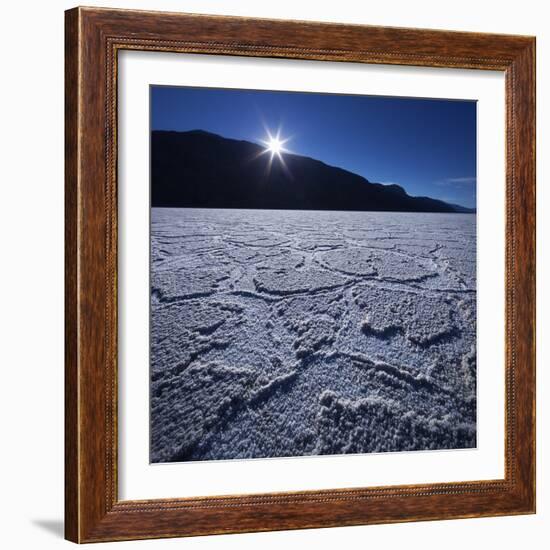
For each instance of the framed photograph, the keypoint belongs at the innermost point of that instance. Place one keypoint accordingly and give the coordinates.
(300, 275)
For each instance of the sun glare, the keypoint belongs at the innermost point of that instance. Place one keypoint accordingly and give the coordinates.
(274, 144)
(274, 147)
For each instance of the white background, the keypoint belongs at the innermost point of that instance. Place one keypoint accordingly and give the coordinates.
(138, 479)
(31, 309)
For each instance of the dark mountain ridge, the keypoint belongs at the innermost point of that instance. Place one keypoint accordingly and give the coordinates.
(203, 170)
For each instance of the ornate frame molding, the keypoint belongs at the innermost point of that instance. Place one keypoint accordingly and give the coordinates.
(93, 38)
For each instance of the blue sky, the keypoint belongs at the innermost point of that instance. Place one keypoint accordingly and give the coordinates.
(428, 146)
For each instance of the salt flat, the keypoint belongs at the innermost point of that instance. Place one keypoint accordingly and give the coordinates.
(288, 333)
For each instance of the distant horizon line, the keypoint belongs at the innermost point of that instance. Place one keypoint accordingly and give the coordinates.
(320, 210)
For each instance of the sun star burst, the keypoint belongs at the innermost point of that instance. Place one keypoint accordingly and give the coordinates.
(275, 145)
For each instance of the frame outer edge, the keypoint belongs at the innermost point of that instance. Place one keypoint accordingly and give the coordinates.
(93, 323)
(72, 448)
(524, 68)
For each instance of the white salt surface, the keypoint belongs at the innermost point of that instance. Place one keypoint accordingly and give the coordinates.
(291, 333)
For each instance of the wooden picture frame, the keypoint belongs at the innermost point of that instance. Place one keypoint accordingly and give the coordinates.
(93, 511)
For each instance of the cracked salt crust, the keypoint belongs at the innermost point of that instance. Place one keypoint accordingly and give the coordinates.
(285, 333)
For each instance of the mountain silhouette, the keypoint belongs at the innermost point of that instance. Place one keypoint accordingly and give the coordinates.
(204, 170)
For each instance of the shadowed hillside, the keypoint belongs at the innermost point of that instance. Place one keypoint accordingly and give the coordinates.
(203, 170)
